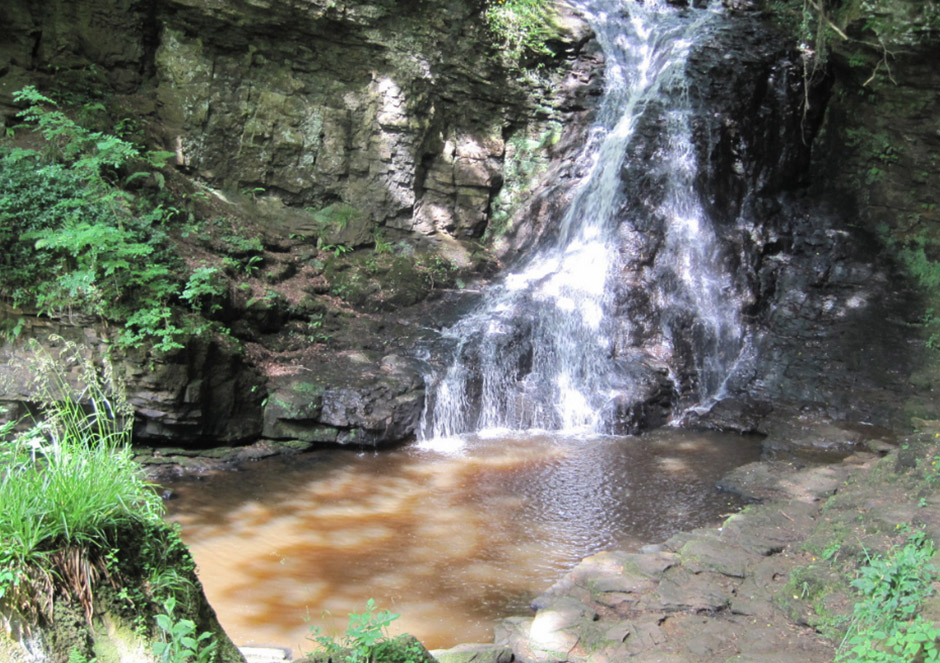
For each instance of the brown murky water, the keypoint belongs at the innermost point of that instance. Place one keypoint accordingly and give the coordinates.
(450, 538)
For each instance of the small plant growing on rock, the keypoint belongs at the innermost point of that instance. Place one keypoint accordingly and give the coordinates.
(180, 644)
(367, 640)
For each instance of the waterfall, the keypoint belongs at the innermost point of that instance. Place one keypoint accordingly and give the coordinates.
(588, 321)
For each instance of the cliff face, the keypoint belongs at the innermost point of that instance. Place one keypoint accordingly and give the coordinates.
(865, 219)
(321, 123)
(327, 124)
(831, 210)
(397, 109)
(881, 142)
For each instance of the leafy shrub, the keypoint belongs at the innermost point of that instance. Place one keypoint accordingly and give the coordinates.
(68, 487)
(72, 240)
(204, 288)
(886, 626)
(180, 643)
(367, 640)
(80, 522)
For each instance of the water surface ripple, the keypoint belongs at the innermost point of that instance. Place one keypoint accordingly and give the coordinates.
(451, 534)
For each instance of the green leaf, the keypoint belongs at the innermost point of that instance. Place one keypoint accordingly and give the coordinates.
(136, 176)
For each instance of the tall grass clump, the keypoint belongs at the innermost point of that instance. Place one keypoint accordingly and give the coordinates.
(68, 489)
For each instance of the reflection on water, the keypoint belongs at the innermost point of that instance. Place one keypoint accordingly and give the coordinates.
(452, 540)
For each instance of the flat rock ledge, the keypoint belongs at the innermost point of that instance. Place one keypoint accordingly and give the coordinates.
(706, 596)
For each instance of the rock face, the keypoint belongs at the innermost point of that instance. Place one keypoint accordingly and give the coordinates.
(204, 393)
(398, 110)
(829, 312)
(347, 401)
(348, 120)
(340, 121)
(336, 108)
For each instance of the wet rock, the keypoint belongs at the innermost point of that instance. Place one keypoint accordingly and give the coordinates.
(742, 414)
(767, 480)
(474, 653)
(204, 392)
(647, 403)
(711, 554)
(816, 437)
(350, 398)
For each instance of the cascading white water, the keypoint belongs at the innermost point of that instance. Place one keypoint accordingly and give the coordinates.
(551, 345)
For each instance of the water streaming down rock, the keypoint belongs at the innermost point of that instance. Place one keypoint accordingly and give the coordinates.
(629, 309)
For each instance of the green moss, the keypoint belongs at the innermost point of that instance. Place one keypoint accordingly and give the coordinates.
(811, 595)
(308, 388)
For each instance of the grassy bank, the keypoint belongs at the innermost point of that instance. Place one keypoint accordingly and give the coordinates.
(83, 542)
(869, 580)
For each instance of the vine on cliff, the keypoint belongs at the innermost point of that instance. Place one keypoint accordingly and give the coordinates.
(880, 27)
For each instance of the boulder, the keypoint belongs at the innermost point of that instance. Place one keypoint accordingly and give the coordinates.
(349, 398)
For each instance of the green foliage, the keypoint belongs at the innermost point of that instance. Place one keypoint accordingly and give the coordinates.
(244, 253)
(367, 640)
(203, 289)
(886, 625)
(335, 217)
(72, 240)
(522, 27)
(916, 256)
(812, 585)
(436, 271)
(239, 245)
(880, 30)
(336, 249)
(180, 643)
(253, 192)
(382, 245)
(73, 497)
(76, 656)
(892, 23)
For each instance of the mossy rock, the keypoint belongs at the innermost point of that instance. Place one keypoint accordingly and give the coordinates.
(150, 563)
(342, 224)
